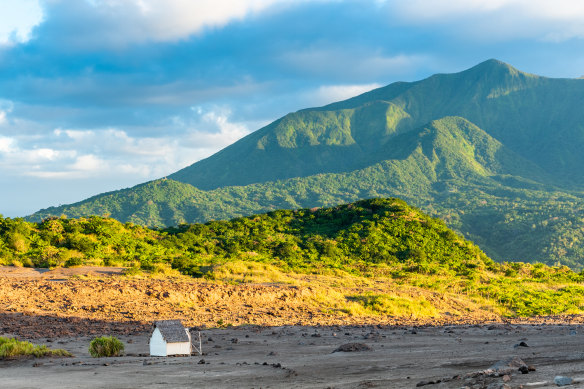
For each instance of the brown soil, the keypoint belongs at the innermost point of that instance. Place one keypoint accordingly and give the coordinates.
(38, 302)
(279, 339)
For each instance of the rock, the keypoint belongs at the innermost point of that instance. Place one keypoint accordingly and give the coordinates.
(201, 362)
(523, 369)
(562, 381)
(352, 347)
(506, 378)
(521, 344)
(508, 364)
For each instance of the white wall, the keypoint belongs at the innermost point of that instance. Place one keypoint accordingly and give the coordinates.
(179, 348)
(159, 348)
(157, 344)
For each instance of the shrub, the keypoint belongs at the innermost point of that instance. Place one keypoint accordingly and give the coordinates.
(12, 348)
(106, 346)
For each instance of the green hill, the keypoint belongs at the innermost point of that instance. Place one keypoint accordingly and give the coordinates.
(370, 257)
(493, 151)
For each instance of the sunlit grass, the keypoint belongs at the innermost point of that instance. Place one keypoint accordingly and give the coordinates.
(13, 348)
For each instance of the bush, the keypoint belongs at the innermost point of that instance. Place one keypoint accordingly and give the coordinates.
(12, 348)
(106, 346)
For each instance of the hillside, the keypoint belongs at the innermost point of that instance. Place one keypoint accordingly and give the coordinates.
(493, 151)
(356, 237)
(377, 260)
(536, 117)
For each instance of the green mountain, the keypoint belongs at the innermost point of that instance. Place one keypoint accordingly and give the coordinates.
(493, 151)
(539, 118)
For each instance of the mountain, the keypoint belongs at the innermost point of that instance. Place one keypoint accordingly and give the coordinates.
(492, 150)
(536, 117)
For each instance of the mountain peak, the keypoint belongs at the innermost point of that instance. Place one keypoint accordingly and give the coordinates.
(495, 67)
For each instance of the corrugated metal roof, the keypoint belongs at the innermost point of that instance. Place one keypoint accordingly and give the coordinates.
(172, 331)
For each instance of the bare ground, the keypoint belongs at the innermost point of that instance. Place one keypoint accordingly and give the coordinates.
(303, 357)
(284, 347)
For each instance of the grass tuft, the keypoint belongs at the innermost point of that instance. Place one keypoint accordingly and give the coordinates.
(12, 348)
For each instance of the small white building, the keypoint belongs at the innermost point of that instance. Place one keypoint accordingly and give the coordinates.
(169, 337)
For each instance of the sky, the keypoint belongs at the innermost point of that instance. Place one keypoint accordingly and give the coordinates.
(99, 95)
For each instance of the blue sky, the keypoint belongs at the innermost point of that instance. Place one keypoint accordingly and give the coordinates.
(98, 95)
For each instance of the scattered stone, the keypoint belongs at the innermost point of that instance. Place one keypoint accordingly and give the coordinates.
(202, 362)
(562, 381)
(521, 344)
(353, 347)
(508, 365)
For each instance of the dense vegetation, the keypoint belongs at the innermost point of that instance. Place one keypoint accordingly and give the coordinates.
(509, 217)
(377, 239)
(494, 152)
(379, 235)
(106, 346)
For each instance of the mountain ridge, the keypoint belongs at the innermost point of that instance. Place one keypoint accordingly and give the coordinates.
(486, 141)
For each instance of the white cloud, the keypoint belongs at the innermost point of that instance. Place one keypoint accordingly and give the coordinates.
(87, 163)
(6, 107)
(542, 19)
(214, 130)
(77, 154)
(17, 19)
(7, 145)
(120, 22)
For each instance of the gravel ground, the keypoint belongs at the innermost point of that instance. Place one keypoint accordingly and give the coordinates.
(304, 357)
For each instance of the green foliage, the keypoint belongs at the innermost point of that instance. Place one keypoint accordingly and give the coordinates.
(357, 238)
(379, 240)
(13, 348)
(106, 346)
(450, 168)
